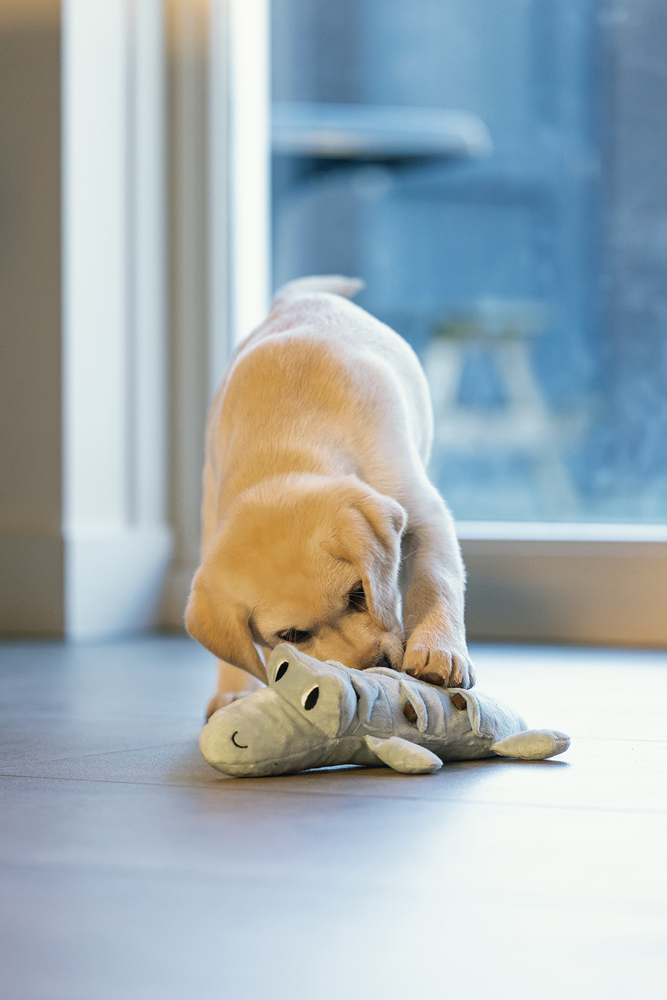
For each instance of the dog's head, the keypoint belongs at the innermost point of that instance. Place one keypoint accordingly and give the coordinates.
(307, 560)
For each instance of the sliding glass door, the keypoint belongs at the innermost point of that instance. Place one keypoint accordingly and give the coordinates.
(493, 172)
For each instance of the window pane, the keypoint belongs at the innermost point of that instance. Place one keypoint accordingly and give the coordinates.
(529, 272)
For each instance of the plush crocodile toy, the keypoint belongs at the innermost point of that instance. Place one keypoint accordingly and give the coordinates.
(315, 714)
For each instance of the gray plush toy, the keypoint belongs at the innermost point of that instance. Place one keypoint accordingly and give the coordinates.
(315, 714)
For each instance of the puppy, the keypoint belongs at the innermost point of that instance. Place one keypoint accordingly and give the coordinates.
(316, 499)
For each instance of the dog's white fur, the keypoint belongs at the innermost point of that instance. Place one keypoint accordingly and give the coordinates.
(315, 483)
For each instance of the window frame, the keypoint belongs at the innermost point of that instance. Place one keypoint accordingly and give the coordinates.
(571, 583)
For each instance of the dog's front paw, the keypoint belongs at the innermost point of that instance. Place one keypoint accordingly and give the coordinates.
(433, 660)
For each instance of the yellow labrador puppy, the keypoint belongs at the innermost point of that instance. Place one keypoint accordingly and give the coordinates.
(316, 498)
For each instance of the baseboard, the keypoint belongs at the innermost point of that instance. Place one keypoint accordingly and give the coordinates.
(593, 593)
(91, 584)
(115, 578)
(31, 583)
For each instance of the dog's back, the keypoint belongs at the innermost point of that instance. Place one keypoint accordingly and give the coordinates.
(320, 377)
(319, 362)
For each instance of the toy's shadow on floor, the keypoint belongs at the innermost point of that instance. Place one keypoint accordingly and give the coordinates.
(449, 767)
(190, 768)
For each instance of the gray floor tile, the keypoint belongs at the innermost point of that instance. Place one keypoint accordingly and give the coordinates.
(28, 743)
(184, 892)
(118, 936)
(159, 675)
(593, 773)
(585, 692)
(344, 843)
(130, 869)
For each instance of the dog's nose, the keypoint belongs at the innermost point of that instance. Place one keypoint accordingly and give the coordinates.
(384, 661)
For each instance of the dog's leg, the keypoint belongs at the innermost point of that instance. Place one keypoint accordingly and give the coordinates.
(436, 648)
(233, 683)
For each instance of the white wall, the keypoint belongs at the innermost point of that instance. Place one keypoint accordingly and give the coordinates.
(219, 245)
(31, 584)
(84, 539)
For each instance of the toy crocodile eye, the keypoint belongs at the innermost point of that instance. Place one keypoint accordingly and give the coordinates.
(294, 635)
(282, 670)
(241, 746)
(309, 700)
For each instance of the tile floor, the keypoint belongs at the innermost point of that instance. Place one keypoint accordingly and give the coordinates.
(130, 870)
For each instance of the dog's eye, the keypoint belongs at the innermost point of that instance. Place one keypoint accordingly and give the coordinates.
(294, 635)
(356, 599)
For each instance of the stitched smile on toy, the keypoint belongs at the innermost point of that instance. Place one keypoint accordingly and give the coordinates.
(241, 746)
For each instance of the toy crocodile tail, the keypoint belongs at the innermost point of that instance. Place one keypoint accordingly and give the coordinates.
(335, 284)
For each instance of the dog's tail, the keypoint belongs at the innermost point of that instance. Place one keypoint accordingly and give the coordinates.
(336, 284)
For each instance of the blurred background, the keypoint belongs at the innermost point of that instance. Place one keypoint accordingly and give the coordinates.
(494, 171)
(526, 262)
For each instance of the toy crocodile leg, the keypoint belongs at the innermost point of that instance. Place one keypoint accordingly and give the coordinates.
(403, 756)
(532, 744)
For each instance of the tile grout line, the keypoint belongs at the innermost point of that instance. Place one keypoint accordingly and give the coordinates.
(352, 797)
(107, 753)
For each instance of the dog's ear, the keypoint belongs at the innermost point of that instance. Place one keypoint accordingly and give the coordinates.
(221, 627)
(370, 538)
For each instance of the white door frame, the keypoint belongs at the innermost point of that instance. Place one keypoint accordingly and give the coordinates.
(219, 233)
